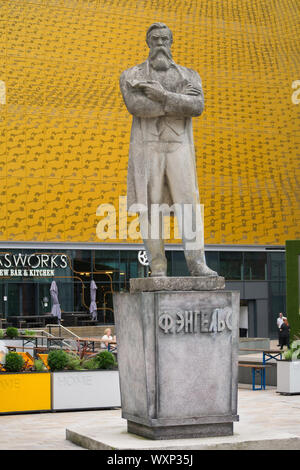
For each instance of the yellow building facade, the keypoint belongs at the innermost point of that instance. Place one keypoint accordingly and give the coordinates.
(64, 130)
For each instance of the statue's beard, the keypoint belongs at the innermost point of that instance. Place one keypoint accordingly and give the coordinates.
(160, 58)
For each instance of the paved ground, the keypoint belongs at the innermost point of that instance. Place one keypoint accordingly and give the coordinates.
(267, 421)
(263, 414)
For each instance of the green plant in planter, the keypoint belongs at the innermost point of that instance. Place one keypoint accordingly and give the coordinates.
(29, 333)
(13, 362)
(1, 333)
(293, 354)
(12, 332)
(58, 360)
(74, 362)
(90, 364)
(39, 365)
(105, 360)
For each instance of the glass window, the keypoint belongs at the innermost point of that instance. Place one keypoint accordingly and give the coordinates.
(276, 262)
(179, 266)
(13, 299)
(212, 260)
(128, 265)
(82, 261)
(231, 265)
(65, 295)
(255, 266)
(105, 305)
(2, 302)
(107, 262)
(29, 298)
(44, 298)
(106, 259)
(169, 262)
(81, 296)
(277, 303)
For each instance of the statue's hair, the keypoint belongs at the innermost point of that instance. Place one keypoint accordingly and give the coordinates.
(158, 26)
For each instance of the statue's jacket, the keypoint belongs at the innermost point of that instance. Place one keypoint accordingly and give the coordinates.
(152, 120)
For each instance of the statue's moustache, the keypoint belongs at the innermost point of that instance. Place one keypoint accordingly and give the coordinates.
(165, 50)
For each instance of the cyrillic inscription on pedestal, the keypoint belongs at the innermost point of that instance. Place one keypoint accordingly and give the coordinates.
(188, 321)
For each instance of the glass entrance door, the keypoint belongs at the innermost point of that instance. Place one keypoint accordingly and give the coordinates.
(22, 298)
(13, 304)
(29, 299)
(2, 300)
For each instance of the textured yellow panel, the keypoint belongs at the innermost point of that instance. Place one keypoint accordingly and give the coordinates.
(55, 210)
(36, 208)
(25, 392)
(3, 208)
(73, 209)
(2, 145)
(64, 130)
(16, 209)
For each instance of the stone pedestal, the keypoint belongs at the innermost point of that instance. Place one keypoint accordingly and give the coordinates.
(178, 358)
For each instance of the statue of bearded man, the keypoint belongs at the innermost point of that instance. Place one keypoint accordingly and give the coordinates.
(163, 97)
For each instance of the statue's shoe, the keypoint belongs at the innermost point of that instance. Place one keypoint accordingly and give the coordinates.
(158, 269)
(201, 269)
(158, 273)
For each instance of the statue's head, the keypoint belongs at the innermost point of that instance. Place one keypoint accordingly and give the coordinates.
(159, 39)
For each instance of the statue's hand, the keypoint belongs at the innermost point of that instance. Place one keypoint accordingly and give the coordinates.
(154, 91)
(191, 90)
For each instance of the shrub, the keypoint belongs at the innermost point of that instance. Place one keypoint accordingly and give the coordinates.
(293, 353)
(287, 355)
(29, 333)
(105, 360)
(39, 365)
(12, 332)
(58, 359)
(1, 334)
(13, 362)
(74, 362)
(90, 364)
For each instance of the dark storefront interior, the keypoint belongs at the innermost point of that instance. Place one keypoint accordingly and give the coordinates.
(112, 270)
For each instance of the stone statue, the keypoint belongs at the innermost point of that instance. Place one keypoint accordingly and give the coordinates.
(163, 97)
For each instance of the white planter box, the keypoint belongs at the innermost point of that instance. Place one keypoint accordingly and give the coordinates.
(85, 389)
(288, 376)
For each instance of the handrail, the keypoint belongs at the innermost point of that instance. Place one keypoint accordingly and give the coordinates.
(69, 331)
(61, 326)
(42, 331)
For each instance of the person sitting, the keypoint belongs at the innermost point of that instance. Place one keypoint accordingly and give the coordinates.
(107, 339)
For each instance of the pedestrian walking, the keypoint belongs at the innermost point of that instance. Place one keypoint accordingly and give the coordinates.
(284, 334)
(279, 323)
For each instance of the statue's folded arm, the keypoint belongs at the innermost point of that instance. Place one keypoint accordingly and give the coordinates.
(177, 104)
(137, 103)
